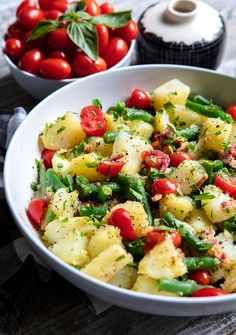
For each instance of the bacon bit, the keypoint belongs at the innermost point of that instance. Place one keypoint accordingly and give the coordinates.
(157, 197)
(228, 159)
(117, 156)
(168, 150)
(229, 205)
(88, 148)
(156, 144)
(219, 253)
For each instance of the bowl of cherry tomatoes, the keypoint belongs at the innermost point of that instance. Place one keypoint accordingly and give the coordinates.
(53, 43)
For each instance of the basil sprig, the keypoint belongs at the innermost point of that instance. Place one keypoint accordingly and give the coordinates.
(82, 27)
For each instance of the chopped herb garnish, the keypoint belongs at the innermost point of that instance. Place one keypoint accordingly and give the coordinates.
(120, 258)
(50, 216)
(61, 129)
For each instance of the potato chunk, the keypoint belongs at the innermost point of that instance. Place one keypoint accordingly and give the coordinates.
(199, 221)
(182, 116)
(189, 175)
(64, 203)
(161, 122)
(138, 216)
(179, 206)
(230, 280)
(102, 239)
(140, 128)
(125, 277)
(131, 147)
(86, 165)
(108, 263)
(146, 284)
(173, 91)
(64, 133)
(163, 261)
(97, 144)
(216, 133)
(60, 165)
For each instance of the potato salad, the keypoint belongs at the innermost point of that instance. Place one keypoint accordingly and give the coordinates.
(142, 195)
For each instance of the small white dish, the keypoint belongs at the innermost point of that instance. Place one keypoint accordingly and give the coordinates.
(108, 87)
(40, 87)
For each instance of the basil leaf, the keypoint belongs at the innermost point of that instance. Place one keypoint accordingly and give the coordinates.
(204, 196)
(43, 28)
(83, 15)
(84, 35)
(113, 20)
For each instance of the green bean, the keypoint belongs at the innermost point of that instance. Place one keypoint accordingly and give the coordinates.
(186, 288)
(54, 181)
(136, 249)
(230, 225)
(211, 110)
(208, 166)
(189, 133)
(137, 114)
(69, 182)
(90, 210)
(217, 165)
(43, 180)
(81, 180)
(198, 263)
(110, 137)
(104, 193)
(199, 99)
(133, 187)
(189, 238)
(116, 189)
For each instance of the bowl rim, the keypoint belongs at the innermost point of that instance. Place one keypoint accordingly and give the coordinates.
(41, 248)
(11, 64)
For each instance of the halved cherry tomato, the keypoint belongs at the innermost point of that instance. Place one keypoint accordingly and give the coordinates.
(103, 37)
(139, 99)
(156, 159)
(115, 51)
(164, 186)
(14, 47)
(178, 157)
(59, 39)
(121, 219)
(55, 68)
(47, 156)
(53, 14)
(83, 66)
(129, 32)
(111, 168)
(201, 277)
(26, 3)
(157, 236)
(36, 211)
(31, 61)
(209, 292)
(57, 54)
(232, 111)
(30, 17)
(16, 30)
(92, 7)
(226, 183)
(107, 8)
(92, 121)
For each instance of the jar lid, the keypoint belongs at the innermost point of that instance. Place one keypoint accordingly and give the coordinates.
(183, 22)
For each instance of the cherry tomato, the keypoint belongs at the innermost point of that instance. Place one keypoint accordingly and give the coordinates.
(209, 292)
(107, 8)
(178, 157)
(92, 121)
(111, 168)
(38, 43)
(59, 39)
(129, 32)
(44, 4)
(14, 47)
(201, 277)
(121, 219)
(115, 51)
(92, 7)
(157, 236)
(35, 212)
(164, 186)
(103, 37)
(232, 111)
(226, 183)
(47, 156)
(83, 66)
(26, 3)
(53, 14)
(60, 5)
(30, 17)
(31, 61)
(156, 159)
(57, 54)
(16, 30)
(55, 68)
(139, 99)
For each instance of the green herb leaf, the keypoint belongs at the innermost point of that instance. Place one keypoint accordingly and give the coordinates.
(50, 216)
(137, 195)
(204, 196)
(120, 258)
(83, 15)
(97, 103)
(43, 28)
(84, 35)
(169, 107)
(118, 19)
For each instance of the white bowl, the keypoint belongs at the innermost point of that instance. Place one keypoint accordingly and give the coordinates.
(109, 87)
(40, 87)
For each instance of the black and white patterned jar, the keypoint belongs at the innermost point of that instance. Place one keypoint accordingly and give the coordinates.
(183, 32)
